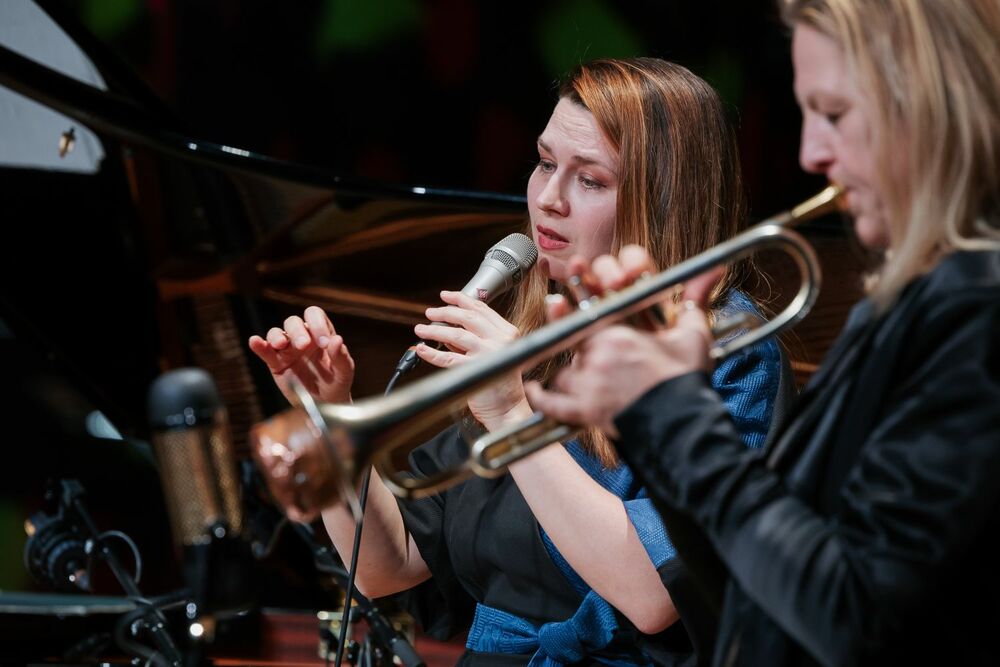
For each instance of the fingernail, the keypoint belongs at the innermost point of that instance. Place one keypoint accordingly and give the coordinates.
(302, 341)
(323, 341)
(552, 299)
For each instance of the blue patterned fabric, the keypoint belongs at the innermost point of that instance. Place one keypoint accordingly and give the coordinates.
(589, 630)
(747, 382)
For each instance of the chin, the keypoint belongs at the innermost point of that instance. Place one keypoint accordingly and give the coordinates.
(871, 231)
(551, 268)
(555, 271)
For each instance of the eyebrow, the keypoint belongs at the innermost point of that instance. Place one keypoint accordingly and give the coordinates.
(579, 158)
(816, 98)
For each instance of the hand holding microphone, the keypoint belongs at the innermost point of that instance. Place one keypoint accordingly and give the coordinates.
(503, 267)
(472, 328)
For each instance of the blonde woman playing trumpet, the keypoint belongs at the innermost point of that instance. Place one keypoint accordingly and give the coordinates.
(867, 533)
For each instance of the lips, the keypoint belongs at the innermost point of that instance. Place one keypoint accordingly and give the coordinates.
(548, 239)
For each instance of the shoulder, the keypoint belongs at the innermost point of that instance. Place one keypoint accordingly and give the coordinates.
(962, 293)
(957, 281)
(750, 365)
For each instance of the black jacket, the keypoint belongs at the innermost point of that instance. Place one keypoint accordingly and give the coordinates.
(869, 532)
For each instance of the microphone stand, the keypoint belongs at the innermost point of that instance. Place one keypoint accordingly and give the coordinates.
(349, 590)
(72, 493)
(392, 641)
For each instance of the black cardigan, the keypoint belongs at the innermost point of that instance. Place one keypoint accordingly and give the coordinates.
(869, 531)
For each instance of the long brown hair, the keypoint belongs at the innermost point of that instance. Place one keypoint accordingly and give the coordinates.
(929, 73)
(679, 186)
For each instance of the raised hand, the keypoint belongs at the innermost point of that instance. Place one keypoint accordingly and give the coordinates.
(615, 366)
(476, 329)
(309, 349)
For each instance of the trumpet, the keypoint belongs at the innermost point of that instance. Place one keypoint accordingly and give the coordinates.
(313, 455)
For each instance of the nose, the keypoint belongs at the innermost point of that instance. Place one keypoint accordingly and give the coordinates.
(816, 154)
(551, 197)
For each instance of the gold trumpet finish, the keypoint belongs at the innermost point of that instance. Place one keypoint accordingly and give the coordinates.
(313, 455)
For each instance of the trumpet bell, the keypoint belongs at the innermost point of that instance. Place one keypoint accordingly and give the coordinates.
(307, 465)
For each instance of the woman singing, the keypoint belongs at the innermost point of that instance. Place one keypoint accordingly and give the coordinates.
(564, 560)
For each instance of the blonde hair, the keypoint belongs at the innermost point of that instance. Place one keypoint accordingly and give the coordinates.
(679, 188)
(930, 73)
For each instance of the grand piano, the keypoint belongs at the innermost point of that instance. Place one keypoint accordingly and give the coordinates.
(132, 245)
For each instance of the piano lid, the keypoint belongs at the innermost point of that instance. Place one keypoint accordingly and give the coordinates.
(175, 249)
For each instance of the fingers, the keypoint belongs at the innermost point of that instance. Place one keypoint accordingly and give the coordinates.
(457, 338)
(635, 261)
(462, 318)
(609, 272)
(577, 266)
(560, 407)
(313, 329)
(319, 326)
(475, 306)
(439, 358)
(476, 326)
(699, 289)
(697, 293)
(298, 338)
(556, 306)
(340, 357)
(277, 338)
(298, 334)
(265, 351)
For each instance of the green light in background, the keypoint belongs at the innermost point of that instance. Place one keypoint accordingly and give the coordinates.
(725, 74)
(361, 24)
(576, 31)
(109, 18)
(12, 538)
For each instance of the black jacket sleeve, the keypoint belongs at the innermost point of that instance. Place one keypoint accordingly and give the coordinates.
(840, 583)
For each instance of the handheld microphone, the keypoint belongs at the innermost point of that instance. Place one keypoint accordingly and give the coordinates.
(503, 267)
(198, 469)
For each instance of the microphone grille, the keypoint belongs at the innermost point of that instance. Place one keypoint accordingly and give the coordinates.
(515, 251)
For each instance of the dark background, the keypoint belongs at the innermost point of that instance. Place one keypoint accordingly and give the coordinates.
(442, 92)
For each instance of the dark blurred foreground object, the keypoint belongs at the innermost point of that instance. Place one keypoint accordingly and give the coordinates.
(72, 531)
(200, 481)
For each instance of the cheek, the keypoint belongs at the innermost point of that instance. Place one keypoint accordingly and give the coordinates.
(534, 187)
(533, 183)
(872, 230)
(600, 230)
(857, 151)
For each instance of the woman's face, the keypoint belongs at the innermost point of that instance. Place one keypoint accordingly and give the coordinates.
(836, 131)
(572, 192)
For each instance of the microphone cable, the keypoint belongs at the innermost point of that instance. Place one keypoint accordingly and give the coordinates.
(345, 619)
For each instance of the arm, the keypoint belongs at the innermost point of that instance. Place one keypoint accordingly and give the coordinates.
(389, 561)
(310, 350)
(587, 524)
(843, 583)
